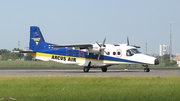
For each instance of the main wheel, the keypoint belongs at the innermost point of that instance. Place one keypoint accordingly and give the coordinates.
(104, 69)
(146, 69)
(86, 69)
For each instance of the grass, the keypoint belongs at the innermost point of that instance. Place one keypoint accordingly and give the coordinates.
(68, 88)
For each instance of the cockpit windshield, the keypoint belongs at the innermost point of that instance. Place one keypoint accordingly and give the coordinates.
(135, 51)
(131, 52)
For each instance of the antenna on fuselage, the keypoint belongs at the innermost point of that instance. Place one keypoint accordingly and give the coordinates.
(146, 47)
(132, 45)
(127, 41)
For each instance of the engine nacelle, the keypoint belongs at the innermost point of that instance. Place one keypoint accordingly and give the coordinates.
(94, 49)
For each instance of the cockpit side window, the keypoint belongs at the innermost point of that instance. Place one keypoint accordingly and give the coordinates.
(131, 52)
(128, 53)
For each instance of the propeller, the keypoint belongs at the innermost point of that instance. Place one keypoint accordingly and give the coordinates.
(102, 47)
(132, 45)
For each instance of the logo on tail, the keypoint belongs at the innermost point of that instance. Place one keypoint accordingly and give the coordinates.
(36, 40)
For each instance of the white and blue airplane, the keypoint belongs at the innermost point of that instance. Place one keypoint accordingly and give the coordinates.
(98, 55)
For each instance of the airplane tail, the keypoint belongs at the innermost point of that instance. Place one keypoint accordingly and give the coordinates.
(37, 41)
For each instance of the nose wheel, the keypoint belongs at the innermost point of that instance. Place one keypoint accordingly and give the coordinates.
(146, 69)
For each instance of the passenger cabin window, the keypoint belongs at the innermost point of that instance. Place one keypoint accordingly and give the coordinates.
(114, 53)
(67, 53)
(118, 53)
(74, 53)
(81, 54)
(108, 53)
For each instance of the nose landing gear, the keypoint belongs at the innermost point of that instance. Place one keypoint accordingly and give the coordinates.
(146, 69)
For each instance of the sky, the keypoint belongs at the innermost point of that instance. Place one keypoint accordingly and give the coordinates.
(88, 21)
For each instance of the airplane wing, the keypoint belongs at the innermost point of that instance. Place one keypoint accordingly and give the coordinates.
(81, 46)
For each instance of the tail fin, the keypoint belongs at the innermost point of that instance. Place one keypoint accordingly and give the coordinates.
(37, 41)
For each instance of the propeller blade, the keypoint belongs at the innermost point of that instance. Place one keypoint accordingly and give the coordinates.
(106, 52)
(98, 44)
(99, 56)
(104, 42)
(102, 47)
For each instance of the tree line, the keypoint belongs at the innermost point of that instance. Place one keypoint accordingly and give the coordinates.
(14, 55)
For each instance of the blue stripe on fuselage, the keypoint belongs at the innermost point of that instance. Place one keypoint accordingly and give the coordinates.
(79, 53)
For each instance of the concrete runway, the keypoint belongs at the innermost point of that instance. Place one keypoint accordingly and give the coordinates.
(92, 72)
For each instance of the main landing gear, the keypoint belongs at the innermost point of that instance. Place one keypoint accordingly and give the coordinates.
(146, 69)
(87, 68)
(104, 69)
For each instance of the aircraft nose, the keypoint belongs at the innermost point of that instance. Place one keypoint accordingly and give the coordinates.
(156, 62)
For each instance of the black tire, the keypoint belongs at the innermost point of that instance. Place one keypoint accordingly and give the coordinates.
(146, 69)
(104, 69)
(86, 69)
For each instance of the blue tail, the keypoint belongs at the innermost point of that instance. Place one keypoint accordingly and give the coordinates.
(37, 41)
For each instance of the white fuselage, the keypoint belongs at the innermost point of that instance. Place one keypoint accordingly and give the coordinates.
(110, 55)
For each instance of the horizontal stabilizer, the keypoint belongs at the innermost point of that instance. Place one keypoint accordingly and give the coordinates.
(27, 52)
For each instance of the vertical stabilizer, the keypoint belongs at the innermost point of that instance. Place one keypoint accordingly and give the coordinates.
(37, 41)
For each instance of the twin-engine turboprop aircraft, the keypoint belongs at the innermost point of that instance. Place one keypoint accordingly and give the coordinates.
(87, 55)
